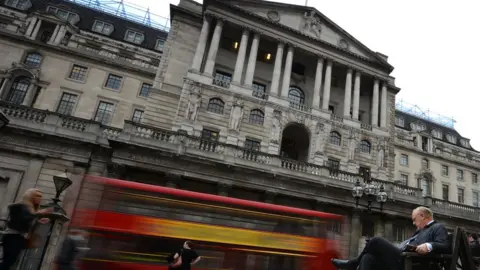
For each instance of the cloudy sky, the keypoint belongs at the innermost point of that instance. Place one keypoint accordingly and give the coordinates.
(433, 45)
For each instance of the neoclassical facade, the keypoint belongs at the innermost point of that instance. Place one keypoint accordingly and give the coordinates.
(255, 100)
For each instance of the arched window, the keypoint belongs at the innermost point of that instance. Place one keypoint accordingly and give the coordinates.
(335, 138)
(425, 163)
(216, 105)
(296, 97)
(365, 146)
(256, 117)
(18, 90)
(33, 59)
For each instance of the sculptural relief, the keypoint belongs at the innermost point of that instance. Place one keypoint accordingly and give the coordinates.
(194, 101)
(236, 115)
(276, 127)
(320, 139)
(311, 23)
(352, 146)
(381, 158)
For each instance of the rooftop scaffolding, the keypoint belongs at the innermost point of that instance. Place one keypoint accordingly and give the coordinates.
(425, 114)
(127, 11)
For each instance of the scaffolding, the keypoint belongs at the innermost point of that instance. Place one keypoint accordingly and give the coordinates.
(127, 11)
(425, 114)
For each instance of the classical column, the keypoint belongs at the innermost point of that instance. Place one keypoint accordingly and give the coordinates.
(356, 95)
(347, 102)
(375, 103)
(212, 52)
(202, 42)
(277, 70)
(326, 86)
(237, 74)
(55, 33)
(36, 30)
(287, 73)
(252, 60)
(3, 89)
(318, 82)
(27, 101)
(356, 233)
(60, 35)
(384, 105)
(31, 26)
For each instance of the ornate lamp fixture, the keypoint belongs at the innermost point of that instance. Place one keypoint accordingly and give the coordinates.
(371, 191)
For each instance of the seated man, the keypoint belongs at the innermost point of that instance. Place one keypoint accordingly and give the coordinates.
(379, 254)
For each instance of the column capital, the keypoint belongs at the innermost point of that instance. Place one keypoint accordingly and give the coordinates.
(291, 45)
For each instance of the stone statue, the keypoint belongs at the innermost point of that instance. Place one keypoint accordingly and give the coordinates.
(236, 115)
(320, 139)
(275, 131)
(194, 101)
(352, 146)
(381, 158)
(311, 23)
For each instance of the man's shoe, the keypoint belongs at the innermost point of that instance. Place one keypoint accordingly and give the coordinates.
(344, 264)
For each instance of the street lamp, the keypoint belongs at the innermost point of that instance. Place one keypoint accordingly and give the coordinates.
(3, 120)
(371, 191)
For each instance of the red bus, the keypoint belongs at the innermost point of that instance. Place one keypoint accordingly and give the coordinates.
(136, 226)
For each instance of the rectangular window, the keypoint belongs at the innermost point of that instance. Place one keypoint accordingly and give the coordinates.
(104, 112)
(134, 37)
(209, 135)
(145, 90)
(444, 170)
(474, 178)
(160, 44)
(67, 103)
(404, 179)
(445, 192)
(102, 27)
(252, 145)
(63, 14)
(403, 160)
(78, 73)
(18, 4)
(113, 82)
(398, 233)
(137, 116)
(209, 140)
(259, 90)
(333, 164)
(222, 79)
(399, 121)
(461, 195)
(459, 174)
(475, 199)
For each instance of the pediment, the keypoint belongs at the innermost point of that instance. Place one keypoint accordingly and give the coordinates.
(309, 22)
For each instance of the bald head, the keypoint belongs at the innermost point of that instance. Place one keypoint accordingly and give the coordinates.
(421, 216)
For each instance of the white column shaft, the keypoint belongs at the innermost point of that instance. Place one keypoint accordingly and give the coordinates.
(356, 96)
(37, 29)
(327, 85)
(384, 106)
(31, 26)
(277, 70)
(347, 102)
(60, 35)
(55, 33)
(237, 74)
(287, 73)
(212, 52)
(252, 60)
(202, 42)
(375, 103)
(318, 83)
(3, 89)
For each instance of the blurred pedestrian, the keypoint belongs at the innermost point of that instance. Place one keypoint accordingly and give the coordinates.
(185, 258)
(71, 246)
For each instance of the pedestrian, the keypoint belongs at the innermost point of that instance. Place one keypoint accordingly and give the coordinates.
(185, 258)
(19, 235)
(70, 248)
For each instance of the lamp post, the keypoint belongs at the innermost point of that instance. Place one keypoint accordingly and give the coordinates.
(58, 215)
(371, 191)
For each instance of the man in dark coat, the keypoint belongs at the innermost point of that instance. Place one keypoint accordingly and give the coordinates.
(69, 250)
(379, 254)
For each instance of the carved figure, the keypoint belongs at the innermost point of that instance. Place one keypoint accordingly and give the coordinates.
(311, 23)
(236, 115)
(381, 158)
(194, 101)
(352, 146)
(275, 131)
(320, 139)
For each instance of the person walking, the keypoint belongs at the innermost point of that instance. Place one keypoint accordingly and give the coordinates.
(185, 258)
(70, 248)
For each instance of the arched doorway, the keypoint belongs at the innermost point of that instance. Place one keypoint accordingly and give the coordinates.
(295, 142)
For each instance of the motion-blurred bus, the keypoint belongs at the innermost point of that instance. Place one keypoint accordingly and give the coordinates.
(136, 226)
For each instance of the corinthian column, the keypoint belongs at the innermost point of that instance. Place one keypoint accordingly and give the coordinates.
(287, 73)
(212, 52)
(348, 94)
(202, 42)
(252, 60)
(277, 70)
(326, 86)
(356, 96)
(237, 74)
(384, 105)
(375, 103)
(318, 82)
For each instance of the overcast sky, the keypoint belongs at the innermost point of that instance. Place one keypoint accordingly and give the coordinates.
(433, 45)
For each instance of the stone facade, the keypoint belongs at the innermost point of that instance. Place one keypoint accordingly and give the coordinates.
(264, 118)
